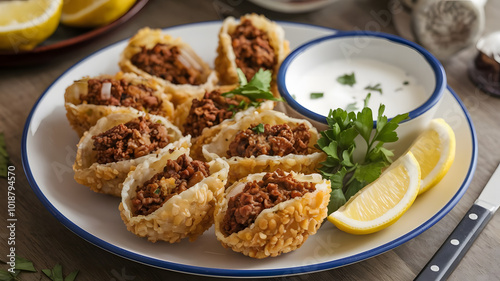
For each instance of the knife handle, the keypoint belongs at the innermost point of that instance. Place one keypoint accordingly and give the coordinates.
(446, 259)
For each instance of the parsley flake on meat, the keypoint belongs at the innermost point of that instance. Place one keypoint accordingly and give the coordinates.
(256, 90)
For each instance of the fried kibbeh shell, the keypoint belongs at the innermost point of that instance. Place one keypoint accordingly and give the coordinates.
(180, 93)
(187, 214)
(243, 166)
(82, 116)
(280, 229)
(209, 133)
(108, 178)
(225, 62)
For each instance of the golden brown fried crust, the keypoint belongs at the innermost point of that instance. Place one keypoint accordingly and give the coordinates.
(108, 178)
(280, 229)
(180, 93)
(225, 62)
(187, 214)
(82, 116)
(241, 167)
(208, 134)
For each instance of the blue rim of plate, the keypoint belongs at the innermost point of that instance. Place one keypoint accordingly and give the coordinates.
(216, 272)
(433, 62)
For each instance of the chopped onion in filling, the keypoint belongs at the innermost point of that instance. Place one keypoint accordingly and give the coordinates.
(106, 91)
(188, 60)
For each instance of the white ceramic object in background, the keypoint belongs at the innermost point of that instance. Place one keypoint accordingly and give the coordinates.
(293, 6)
(446, 27)
(415, 61)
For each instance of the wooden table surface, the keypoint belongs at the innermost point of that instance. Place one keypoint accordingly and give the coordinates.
(41, 238)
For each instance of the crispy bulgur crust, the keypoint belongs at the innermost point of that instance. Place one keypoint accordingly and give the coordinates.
(225, 64)
(187, 214)
(280, 229)
(209, 133)
(108, 178)
(180, 93)
(83, 116)
(241, 167)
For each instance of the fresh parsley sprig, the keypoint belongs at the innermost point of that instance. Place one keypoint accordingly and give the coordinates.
(257, 89)
(348, 176)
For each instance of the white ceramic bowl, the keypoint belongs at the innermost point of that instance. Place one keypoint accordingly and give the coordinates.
(373, 58)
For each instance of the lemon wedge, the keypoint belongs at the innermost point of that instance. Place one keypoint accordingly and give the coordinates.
(24, 24)
(435, 152)
(92, 13)
(382, 202)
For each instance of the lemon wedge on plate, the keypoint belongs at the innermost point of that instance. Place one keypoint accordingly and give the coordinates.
(382, 202)
(24, 24)
(435, 152)
(92, 13)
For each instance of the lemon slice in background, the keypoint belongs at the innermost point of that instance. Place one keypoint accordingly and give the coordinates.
(92, 13)
(382, 202)
(435, 152)
(24, 24)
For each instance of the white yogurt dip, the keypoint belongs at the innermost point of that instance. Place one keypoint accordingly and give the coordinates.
(401, 92)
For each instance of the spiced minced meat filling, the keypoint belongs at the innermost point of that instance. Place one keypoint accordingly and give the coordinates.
(131, 140)
(164, 61)
(122, 93)
(274, 188)
(176, 177)
(211, 110)
(252, 49)
(277, 140)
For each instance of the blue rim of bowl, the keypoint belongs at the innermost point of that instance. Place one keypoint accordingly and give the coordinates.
(438, 69)
(220, 272)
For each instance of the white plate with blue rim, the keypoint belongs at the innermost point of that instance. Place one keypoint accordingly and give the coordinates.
(49, 149)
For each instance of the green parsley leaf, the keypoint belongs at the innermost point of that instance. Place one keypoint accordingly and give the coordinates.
(337, 199)
(259, 129)
(256, 89)
(374, 88)
(6, 275)
(71, 276)
(24, 264)
(4, 157)
(406, 83)
(351, 107)
(367, 99)
(346, 174)
(347, 79)
(56, 274)
(353, 187)
(157, 191)
(261, 80)
(48, 273)
(241, 77)
(316, 95)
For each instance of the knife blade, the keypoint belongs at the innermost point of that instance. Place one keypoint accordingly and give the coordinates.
(448, 256)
